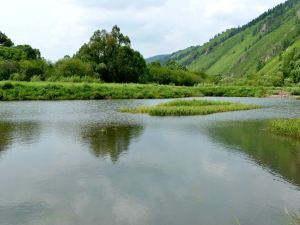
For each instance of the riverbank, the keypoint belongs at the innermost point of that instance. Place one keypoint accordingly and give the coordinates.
(12, 91)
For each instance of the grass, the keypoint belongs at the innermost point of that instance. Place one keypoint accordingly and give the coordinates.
(189, 108)
(294, 217)
(285, 127)
(90, 91)
(12, 91)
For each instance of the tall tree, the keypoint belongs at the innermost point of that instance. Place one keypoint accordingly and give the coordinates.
(113, 57)
(5, 41)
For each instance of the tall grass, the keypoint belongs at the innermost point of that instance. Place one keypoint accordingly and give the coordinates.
(85, 91)
(13, 90)
(189, 108)
(294, 217)
(285, 127)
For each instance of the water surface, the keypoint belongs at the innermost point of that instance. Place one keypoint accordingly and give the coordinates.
(82, 162)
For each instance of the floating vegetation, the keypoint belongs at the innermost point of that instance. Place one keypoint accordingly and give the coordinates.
(189, 108)
(285, 127)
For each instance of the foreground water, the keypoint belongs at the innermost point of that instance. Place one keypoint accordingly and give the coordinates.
(81, 162)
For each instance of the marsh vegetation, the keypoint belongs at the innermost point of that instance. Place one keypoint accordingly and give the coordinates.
(189, 108)
(286, 127)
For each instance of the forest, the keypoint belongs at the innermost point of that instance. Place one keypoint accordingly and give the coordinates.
(107, 57)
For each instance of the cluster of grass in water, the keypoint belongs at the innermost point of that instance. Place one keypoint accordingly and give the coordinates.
(294, 217)
(286, 127)
(189, 108)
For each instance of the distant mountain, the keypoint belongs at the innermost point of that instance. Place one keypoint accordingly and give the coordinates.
(158, 58)
(251, 49)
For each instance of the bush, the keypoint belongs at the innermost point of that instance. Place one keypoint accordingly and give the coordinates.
(35, 78)
(30, 68)
(74, 79)
(164, 75)
(70, 67)
(7, 68)
(7, 86)
(17, 77)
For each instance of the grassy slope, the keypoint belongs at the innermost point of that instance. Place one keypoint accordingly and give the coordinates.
(273, 65)
(240, 53)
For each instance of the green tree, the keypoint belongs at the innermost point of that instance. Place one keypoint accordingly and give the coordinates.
(290, 66)
(260, 64)
(175, 65)
(68, 67)
(20, 52)
(113, 57)
(28, 52)
(5, 41)
(7, 68)
(31, 68)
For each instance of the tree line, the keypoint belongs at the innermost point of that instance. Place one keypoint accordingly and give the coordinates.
(106, 57)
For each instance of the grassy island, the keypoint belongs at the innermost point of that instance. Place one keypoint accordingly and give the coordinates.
(285, 127)
(189, 108)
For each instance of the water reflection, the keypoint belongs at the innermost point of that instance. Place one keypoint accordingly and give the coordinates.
(110, 141)
(277, 154)
(17, 132)
(23, 213)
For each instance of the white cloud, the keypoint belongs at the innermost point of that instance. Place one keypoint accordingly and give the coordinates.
(60, 27)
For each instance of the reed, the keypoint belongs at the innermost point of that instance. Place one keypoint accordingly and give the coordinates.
(189, 108)
(285, 127)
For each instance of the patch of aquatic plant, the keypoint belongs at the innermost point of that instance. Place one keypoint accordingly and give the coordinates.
(285, 127)
(294, 217)
(85, 91)
(189, 108)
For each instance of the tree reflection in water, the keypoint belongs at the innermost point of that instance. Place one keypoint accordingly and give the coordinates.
(112, 141)
(276, 154)
(22, 132)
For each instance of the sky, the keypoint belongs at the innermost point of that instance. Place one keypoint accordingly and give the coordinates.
(60, 27)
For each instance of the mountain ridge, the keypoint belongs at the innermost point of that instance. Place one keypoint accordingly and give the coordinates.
(248, 49)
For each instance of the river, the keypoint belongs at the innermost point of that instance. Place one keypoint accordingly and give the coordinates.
(82, 162)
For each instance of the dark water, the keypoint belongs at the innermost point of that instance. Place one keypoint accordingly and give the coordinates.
(81, 162)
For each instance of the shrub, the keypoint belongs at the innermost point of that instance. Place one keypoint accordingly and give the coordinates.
(70, 67)
(17, 77)
(7, 86)
(35, 78)
(165, 75)
(7, 68)
(30, 68)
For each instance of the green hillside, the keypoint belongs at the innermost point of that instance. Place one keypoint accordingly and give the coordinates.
(255, 48)
(159, 58)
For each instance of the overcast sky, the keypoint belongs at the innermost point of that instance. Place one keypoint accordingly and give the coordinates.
(60, 27)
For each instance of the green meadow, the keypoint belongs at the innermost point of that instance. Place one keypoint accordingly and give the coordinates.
(17, 91)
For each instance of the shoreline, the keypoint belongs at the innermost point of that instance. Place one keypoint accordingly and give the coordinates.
(24, 91)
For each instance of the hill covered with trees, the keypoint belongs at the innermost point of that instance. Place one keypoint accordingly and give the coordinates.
(266, 50)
